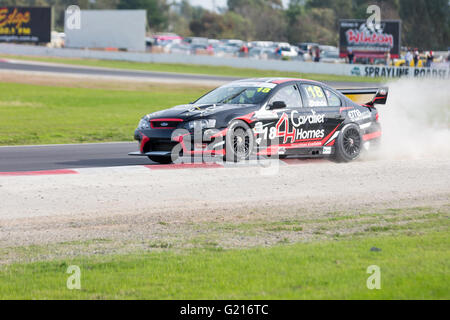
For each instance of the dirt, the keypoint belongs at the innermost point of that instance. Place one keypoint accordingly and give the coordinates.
(162, 208)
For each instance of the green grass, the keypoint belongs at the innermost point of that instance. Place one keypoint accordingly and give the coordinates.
(412, 267)
(36, 114)
(197, 69)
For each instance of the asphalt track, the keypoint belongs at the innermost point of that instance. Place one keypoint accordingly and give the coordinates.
(52, 157)
(30, 66)
(34, 158)
(16, 65)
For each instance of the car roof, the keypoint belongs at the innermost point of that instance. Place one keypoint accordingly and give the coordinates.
(277, 80)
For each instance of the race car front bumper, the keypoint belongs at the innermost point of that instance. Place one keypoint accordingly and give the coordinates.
(162, 143)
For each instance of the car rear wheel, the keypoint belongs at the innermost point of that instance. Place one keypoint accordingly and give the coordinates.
(348, 144)
(239, 141)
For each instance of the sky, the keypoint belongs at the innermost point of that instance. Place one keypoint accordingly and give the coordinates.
(209, 4)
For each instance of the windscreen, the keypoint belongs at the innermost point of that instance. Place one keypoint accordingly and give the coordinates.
(237, 94)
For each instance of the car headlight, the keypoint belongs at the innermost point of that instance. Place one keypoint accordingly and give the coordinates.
(200, 124)
(144, 123)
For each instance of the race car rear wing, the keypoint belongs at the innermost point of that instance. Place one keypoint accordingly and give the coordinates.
(361, 96)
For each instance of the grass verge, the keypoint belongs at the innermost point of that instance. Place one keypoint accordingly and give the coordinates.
(37, 114)
(196, 69)
(412, 267)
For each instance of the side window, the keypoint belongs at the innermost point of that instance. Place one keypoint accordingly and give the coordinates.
(289, 95)
(315, 96)
(333, 99)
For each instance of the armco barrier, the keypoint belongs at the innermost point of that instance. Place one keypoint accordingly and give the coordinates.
(292, 66)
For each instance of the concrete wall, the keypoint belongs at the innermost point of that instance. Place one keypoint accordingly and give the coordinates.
(292, 66)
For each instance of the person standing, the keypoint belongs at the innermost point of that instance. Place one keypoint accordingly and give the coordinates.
(416, 57)
(408, 58)
(317, 56)
(387, 58)
(351, 56)
(278, 52)
(210, 50)
(430, 59)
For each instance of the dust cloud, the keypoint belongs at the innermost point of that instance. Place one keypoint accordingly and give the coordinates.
(416, 120)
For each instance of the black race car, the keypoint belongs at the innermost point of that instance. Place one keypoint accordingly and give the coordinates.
(265, 117)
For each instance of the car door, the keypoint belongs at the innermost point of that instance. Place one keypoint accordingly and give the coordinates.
(275, 129)
(324, 107)
(333, 115)
(284, 128)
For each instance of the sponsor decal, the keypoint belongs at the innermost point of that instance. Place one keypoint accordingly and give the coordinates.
(326, 150)
(365, 37)
(357, 115)
(368, 40)
(313, 118)
(264, 114)
(283, 127)
(402, 72)
(25, 24)
(258, 128)
(356, 71)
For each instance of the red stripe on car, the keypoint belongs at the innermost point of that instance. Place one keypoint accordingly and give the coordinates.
(371, 136)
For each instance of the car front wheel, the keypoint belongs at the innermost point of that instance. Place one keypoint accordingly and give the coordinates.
(239, 141)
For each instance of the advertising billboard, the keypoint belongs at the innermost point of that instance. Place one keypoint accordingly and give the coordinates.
(121, 29)
(25, 24)
(369, 41)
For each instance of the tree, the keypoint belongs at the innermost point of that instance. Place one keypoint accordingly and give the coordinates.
(157, 11)
(295, 9)
(314, 25)
(426, 24)
(343, 9)
(210, 25)
(265, 18)
(236, 5)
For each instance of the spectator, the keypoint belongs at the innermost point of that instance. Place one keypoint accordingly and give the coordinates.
(387, 58)
(430, 59)
(416, 57)
(244, 51)
(210, 49)
(351, 56)
(311, 53)
(278, 52)
(408, 58)
(317, 54)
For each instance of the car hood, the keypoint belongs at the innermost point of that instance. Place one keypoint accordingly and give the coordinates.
(199, 111)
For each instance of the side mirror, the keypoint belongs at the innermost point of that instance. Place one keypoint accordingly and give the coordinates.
(277, 105)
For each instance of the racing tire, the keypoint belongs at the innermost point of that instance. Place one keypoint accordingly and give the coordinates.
(239, 141)
(349, 144)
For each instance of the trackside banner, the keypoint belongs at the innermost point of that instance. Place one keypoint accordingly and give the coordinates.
(369, 41)
(25, 24)
(437, 72)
